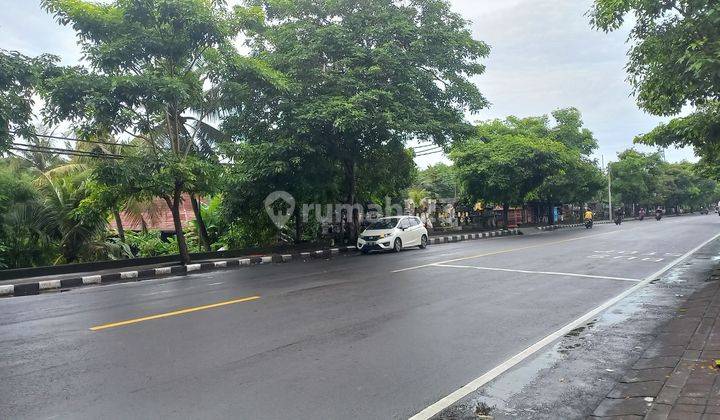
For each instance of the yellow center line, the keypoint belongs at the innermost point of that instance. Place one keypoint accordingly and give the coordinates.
(173, 313)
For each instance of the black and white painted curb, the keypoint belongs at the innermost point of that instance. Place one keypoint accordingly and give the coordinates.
(180, 270)
(604, 222)
(574, 225)
(471, 236)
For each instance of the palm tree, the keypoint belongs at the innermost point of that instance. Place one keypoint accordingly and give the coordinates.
(418, 196)
(79, 236)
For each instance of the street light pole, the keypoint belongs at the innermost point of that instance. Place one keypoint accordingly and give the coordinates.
(610, 216)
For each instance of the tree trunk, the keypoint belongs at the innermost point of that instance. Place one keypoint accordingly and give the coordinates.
(298, 225)
(351, 185)
(202, 229)
(119, 225)
(143, 224)
(174, 204)
(551, 219)
(506, 215)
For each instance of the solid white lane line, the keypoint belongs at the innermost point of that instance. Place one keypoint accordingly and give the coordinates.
(504, 251)
(549, 273)
(475, 384)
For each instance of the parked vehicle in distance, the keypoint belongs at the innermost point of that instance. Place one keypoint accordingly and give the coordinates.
(704, 210)
(393, 233)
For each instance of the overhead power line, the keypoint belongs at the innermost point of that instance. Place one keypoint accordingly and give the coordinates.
(430, 152)
(41, 149)
(47, 136)
(424, 148)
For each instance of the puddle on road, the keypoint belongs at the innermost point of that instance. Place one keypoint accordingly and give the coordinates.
(502, 388)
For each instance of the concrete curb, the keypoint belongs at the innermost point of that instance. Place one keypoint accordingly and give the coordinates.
(472, 236)
(139, 275)
(605, 222)
(574, 225)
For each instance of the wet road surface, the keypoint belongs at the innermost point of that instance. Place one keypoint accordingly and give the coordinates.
(379, 336)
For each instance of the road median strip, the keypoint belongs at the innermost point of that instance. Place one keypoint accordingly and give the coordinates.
(26, 289)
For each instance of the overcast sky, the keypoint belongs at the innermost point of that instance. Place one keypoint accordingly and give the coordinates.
(544, 56)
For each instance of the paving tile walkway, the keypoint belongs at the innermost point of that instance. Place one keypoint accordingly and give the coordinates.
(677, 376)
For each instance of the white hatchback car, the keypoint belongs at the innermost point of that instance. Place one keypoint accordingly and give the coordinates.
(393, 233)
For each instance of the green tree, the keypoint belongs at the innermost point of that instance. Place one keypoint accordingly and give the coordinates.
(576, 180)
(153, 66)
(364, 75)
(507, 169)
(636, 177)
(673, 56)
(439, 180)
(263, 167)
(700, 130)
(673, 63)
(19, 76)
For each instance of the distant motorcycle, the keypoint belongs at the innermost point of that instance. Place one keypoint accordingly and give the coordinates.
(618, 220)
(658, 216)
(588, 224)
(704, 210)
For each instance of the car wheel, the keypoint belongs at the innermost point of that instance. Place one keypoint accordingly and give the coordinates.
(423, 242)
(397, 246)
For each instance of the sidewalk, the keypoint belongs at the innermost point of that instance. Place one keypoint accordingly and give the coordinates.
(677, 376)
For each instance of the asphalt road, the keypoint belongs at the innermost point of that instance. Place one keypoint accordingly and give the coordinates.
(378, 336)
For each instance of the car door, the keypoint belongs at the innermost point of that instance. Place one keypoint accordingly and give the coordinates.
(413, 231)
(406, 234)
(419, 230)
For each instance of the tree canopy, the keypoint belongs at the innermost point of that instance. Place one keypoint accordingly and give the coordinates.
(363, 77)
(19, 76)
(673, 56)
(157, 69)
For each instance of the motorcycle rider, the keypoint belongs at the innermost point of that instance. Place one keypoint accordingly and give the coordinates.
(619, 215)
(642, 213)
(658, 213)
(588, 217)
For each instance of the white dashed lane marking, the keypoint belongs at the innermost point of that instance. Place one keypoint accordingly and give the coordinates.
(632, 255)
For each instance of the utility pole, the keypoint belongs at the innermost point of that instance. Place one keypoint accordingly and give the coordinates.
(610, 216)
(610, 213)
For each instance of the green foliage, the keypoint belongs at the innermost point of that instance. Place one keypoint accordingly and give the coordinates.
(39, 222)
(507, 169)
(700, 130)
(438, 180)
(385, 172)
(23, 242)
(673, 59)
(18, 80)
(636, 178)
(151, 244)
(363, 77)
(646, 180)
(156, 72)
(518, 159)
